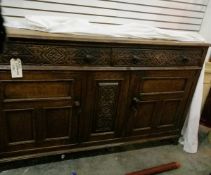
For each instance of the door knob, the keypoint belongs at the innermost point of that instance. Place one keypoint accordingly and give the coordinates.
(136, 100)
(77, 103)
(134, 103)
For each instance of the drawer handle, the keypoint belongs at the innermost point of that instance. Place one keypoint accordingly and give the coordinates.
(89, 58)
(77, 103)
(185, 59)
(135, 59)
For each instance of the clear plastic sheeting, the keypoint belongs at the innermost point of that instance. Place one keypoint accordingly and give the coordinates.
(67, 25)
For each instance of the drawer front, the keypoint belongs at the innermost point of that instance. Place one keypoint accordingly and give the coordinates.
(157, 57)
(56, 54)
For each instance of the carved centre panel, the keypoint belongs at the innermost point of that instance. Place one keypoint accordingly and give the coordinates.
(106, 101)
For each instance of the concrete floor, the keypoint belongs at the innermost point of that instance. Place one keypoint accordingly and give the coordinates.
(119, 163)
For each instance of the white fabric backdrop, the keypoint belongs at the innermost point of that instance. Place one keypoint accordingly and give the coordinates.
(191, 125)
(78, 26)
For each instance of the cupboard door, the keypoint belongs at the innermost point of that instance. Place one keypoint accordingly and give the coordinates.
(158, 101)
(40, 110)
(105, 106)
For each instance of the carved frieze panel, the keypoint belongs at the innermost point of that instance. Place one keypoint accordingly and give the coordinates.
(157, 57)
(56, 54)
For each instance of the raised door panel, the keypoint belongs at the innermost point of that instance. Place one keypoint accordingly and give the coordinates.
(19, 128)
(20, 125)
(105, 106)
(58, 126)
(158, 101)
(143, 116)
(58, 122)
(40, 110)
(169, 113)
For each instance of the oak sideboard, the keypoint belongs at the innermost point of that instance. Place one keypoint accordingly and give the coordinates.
(83, 92)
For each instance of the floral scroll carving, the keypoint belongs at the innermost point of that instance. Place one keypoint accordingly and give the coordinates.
(106, 105)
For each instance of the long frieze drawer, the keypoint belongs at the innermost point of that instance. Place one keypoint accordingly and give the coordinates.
(157, 57)
(56, 54)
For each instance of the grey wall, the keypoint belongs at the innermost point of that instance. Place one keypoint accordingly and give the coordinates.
(206, 24)
(169, 14)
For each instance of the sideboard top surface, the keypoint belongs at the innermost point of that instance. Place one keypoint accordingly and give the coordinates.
(29, 34)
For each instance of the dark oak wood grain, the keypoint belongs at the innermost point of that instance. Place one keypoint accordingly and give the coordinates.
(82, 95)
